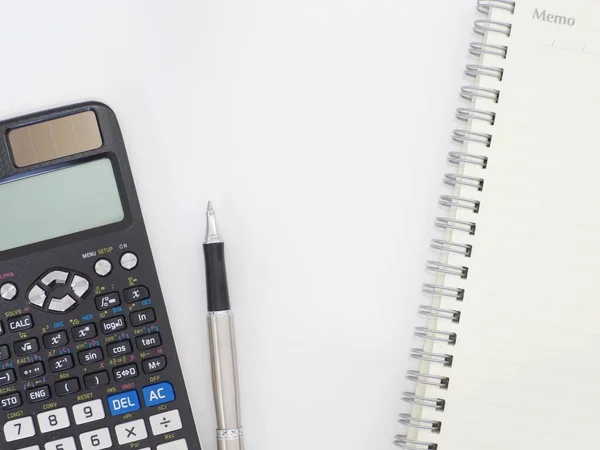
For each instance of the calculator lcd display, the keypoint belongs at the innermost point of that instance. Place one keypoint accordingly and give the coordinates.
(58, 203)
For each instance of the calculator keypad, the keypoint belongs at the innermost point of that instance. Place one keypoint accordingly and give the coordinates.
(118, 348)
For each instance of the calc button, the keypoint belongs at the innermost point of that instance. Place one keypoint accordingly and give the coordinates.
(37, 296)
(95, 380)
(54, 420)
(119, 349)
(80, 286)
(142, 317)
(103, 267)
(83, 332)
(11, 401)
(131, 432)
(32, 370)
(18, 429)
(166, 422)
(26, 347)
(90, 356)
(38, 394)
(113, 324)
(67, 387)
(62, 304)
(4, 352)
(7, 377)
(55, 277)
(125, 372)
(8, 291)
(129, 261)
(96, 440)
(20, 323)
(53, 340)
(107, 301)
(136, 294)
(152, 365)
(88, 412)
(60, 363)
(148, 341)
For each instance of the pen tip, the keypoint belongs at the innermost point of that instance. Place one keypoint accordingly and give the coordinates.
(210, 206)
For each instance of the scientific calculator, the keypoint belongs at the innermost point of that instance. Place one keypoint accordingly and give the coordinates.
(87, 358)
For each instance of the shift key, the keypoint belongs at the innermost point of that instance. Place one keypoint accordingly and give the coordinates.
(148, 341)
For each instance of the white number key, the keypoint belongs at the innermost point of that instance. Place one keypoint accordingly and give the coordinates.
(19, 429)
(56, 419)
(165, 422)
(88, 412)
(33, 447)
(61, 444)
(131, 432)
(96, 440)
(181, 444)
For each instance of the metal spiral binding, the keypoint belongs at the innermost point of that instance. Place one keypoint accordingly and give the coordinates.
(441, 315)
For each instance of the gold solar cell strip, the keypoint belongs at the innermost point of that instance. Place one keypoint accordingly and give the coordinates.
(55, 139)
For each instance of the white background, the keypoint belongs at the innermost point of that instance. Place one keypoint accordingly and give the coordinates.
(319, 129)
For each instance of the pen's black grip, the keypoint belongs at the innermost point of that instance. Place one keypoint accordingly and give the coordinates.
(216, 277)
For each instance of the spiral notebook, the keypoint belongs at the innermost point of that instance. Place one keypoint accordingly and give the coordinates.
(511, 353)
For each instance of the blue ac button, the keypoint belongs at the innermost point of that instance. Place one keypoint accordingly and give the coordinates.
(157, 394)
(123, 403)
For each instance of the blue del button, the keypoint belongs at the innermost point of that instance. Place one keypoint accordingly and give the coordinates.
(157, 394)
(123, 403)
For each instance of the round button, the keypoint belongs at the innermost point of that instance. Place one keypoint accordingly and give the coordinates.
(103, 267)
(129, 261)
(8, 291)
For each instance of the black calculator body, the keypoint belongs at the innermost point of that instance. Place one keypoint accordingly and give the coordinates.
(87, 358)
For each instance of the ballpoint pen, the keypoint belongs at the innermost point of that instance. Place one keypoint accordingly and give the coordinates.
(222, 341)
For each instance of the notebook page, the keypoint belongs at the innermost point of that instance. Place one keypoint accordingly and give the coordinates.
(527, 356)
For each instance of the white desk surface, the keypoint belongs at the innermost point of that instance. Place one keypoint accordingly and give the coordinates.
(319, 129)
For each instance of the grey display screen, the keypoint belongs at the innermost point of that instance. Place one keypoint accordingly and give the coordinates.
(58, 203)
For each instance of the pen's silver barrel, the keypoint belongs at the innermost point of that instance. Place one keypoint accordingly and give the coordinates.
(225, 380)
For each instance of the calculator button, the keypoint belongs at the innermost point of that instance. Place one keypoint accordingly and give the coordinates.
(165, 422)
(55, 277)
(88, 412)
(67, 387)
(152, 365)
(157, 394)
(95, 380)
(180, 444)
(34, 447)
(20, 323)
(136, 294)
(54, 340)
(123, 403)
(4, 352)
(61, 444)
(125, 372)
(7, 377)
(8, 291)
(54, 420)
(38, 394)
(107, 301)
(19, 429)
(90, 356)
(131, 432)
(113, 324)
(148, 341)
(37, 296)
(61, 363)
(11, 401)
(103, 267)
(62, 304)
(32, 370)
(129, 261)
(96, 440)
(119, 349)
(26, 347)
(83, 332)
(80, 286)
(142, 317)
